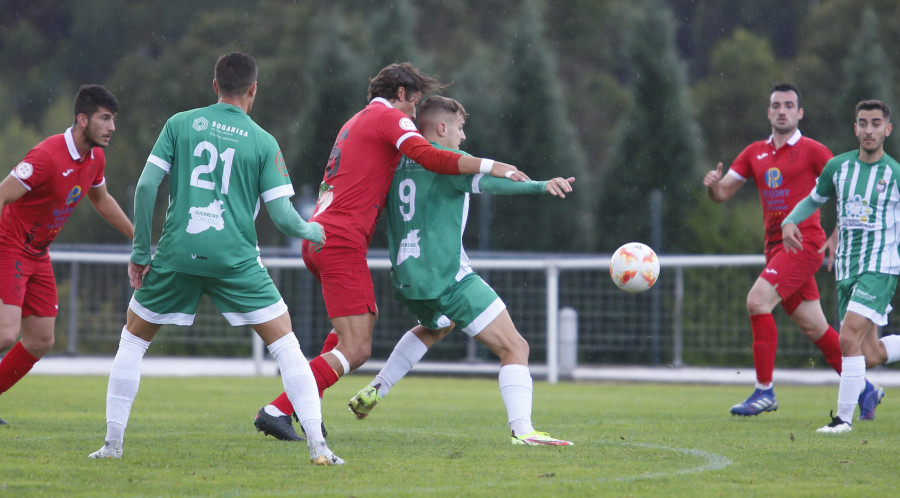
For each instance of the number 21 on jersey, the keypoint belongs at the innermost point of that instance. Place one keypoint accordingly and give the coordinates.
(208, 168)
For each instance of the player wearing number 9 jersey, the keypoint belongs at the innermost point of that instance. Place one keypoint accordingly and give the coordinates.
(351, 197)
(220, 163)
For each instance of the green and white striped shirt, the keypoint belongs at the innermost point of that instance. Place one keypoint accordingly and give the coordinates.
(868, 209)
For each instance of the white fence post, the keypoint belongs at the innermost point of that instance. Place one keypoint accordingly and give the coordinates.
(568, 341)
(552, 323)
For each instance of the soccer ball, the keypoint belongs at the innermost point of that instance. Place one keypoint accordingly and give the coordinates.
(634, 267)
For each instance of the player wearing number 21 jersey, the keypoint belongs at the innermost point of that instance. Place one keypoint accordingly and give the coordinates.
(220, 164)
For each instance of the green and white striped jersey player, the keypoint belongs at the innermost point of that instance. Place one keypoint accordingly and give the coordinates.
(431, 276)
(865, 183)
(219, 163)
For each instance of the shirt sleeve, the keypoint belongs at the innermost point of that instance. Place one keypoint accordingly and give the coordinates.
(144, 201)
(429, 157)
(289, 221)
(34, 169)
(503, 186)
(741, 167)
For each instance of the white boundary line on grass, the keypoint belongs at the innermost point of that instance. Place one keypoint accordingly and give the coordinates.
(711, 462)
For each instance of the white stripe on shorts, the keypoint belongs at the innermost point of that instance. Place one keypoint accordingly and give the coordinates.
(485, 318)
(263, 315)
(182, 319)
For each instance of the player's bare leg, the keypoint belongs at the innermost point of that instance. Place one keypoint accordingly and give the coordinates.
(515, 380)
(37, 340)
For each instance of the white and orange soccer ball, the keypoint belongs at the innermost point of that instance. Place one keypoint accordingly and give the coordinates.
(634, 267)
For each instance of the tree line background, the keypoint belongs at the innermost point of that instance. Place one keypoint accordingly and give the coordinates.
(637, 100)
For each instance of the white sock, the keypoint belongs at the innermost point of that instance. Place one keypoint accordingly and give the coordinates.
(892, 346)
(853, 381)
(273, 411)
(516, 389)
(124, 381)
(299, 384)
(765, 387)
(408, 351)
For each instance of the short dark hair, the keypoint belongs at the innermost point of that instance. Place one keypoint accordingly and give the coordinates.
(786, 87)
(92, 97)
(235, 72)
(871, 105)
(434, 105)
(386, 83)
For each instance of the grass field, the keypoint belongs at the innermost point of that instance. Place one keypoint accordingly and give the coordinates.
(443, 437)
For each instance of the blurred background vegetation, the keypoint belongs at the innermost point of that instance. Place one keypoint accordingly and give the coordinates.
(628, 97)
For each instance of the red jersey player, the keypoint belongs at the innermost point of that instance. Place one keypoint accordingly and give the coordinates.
(357, 178)
(785, 168)
(36, 199)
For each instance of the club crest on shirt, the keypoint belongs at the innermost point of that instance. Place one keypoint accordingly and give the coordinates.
(407, 124)
(24, 170)
(280, 164)
(409, 247)
(881, 186)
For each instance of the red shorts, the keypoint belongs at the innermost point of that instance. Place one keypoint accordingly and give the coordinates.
(793, 274)
(28, 283)
(346, 281)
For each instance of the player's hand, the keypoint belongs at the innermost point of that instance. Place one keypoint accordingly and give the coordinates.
(713, 177)
(560, 186)
(793, 239)
(503, 170)
(830, 248)
(136, 274)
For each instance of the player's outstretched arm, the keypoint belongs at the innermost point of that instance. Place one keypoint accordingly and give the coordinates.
(290, 223)
(560, 186)
(470, 165)
(106, 205)
(720, 188)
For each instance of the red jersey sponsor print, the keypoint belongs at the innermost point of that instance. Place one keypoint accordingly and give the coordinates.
(57, 179)
(362, 164)
(784, 177)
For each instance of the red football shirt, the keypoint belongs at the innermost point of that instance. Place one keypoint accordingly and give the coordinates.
(361, 167)
(56, 179)
(784, 177)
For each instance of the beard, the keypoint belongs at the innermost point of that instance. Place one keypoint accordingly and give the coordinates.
(93, 137)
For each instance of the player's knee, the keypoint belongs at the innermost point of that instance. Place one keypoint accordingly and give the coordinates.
(358, 355)
(40, 345)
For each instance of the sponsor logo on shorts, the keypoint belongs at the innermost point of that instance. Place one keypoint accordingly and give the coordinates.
(24, 170)
(862, 295)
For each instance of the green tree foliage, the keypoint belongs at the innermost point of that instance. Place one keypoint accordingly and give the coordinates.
(548, 84)
(541, 141)
(658, 142)
(868, 73)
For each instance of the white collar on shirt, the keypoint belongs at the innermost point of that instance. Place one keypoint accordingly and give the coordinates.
(70, 143)
(381, 100)
(791, 141)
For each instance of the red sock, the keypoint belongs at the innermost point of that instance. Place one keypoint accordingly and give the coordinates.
(283, 403)
(765, 341)
(14, 365)
(331, 342)
(830, 345)
(325, 375)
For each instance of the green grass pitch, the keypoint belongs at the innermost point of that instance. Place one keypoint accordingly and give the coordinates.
(437, 436)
